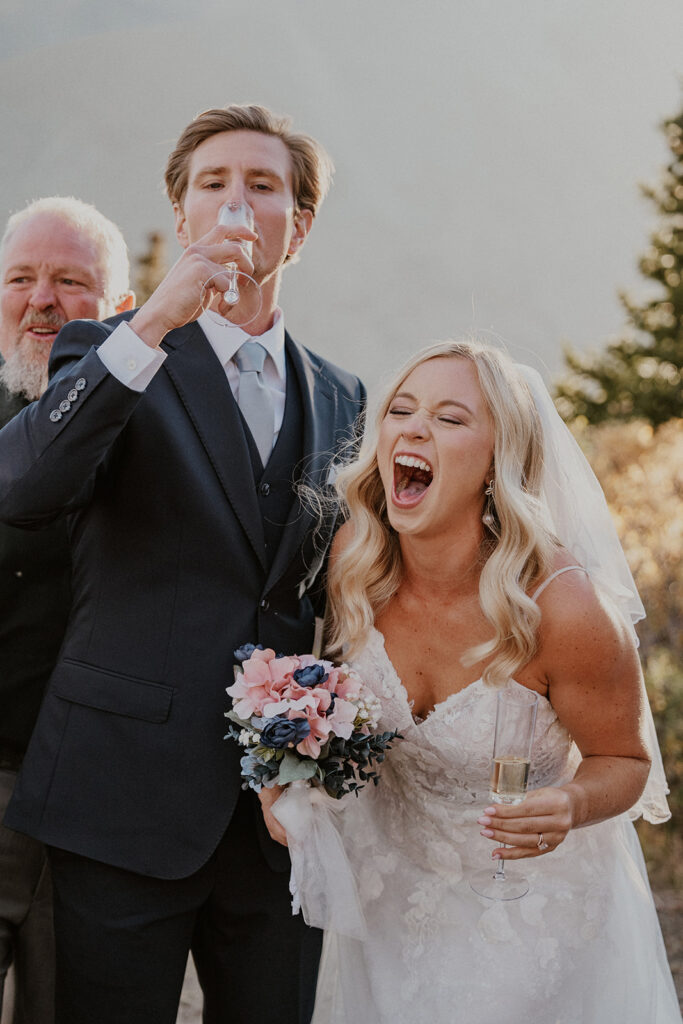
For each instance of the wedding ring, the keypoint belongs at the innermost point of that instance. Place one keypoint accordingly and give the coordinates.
(540, 844)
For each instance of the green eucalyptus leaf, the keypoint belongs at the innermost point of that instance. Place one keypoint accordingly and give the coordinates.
(293, 768)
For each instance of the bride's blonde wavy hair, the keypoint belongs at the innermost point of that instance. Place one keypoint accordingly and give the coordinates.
(515, 554)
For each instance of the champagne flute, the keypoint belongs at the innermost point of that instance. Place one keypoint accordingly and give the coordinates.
(240, 302)
(515, 720)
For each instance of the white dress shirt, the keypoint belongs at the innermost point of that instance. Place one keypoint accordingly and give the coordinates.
(133, 363)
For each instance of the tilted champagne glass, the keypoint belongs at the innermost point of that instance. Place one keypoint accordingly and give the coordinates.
(515, 721)
(239, 303)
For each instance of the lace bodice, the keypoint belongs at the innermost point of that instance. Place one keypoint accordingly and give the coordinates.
(448, 754)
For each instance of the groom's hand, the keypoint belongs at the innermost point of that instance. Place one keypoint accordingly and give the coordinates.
(268, 798)
(177, 300)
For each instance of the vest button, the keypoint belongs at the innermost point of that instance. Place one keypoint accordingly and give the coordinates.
(265, 604)
(265, 490)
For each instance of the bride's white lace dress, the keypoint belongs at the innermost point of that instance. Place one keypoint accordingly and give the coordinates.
(583, 947)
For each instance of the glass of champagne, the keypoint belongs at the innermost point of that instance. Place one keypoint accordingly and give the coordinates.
(515, 721)
(238, 300)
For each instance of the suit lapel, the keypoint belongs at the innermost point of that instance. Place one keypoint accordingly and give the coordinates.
(319, 407)
(203, 388)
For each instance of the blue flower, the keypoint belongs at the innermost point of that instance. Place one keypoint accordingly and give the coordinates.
(254, 771)
(245, 652)
(282, 731)
(314, 675)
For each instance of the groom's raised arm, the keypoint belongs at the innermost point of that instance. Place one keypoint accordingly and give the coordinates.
(50, 452)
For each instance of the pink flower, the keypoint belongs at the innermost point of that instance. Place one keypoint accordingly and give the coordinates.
(342, 718)
(310, 747)
(320, 696)
(348, 684)
(282, 669)
(250, 689)
(307, 660)
(320, 730)
(261, 680)
(313, 706)
(258, 655)
(291, 706)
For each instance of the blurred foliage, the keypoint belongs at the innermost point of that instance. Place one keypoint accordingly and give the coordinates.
(640, 375)
(151, 267)
(641, 471)
(614, 400)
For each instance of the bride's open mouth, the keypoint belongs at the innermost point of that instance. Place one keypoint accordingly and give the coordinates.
(412, 477)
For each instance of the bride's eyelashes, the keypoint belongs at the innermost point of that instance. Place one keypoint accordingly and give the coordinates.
(399, 411)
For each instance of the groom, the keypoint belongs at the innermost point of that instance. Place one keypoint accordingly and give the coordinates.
(175, 455)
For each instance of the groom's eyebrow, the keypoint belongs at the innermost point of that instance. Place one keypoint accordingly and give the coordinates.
(251, 172)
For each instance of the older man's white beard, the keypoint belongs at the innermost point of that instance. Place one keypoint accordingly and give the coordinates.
(24, 372)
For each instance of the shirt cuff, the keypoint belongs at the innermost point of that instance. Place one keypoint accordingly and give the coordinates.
(128, 358)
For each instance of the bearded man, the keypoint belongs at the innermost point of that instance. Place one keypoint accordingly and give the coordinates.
(60, 260)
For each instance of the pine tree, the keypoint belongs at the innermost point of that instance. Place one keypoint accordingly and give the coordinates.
(641, 374)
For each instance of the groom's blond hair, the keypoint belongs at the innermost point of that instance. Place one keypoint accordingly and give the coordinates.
(312, 168)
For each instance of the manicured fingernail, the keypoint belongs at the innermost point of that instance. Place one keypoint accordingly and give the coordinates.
(487, 832)
(489, 810)
(483, 820)
(495, 855)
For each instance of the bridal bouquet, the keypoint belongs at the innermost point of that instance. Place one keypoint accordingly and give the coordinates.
(302, 718)
(309, 726)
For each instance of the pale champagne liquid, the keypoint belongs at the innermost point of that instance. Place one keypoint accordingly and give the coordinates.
(509, 779)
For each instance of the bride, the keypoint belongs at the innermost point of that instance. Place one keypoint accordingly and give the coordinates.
(478, 553)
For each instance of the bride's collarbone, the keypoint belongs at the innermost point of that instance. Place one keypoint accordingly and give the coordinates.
(423, 644)
(426, 647)
(428, 663)
(428, 674)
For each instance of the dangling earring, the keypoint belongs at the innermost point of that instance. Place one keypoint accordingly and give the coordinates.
(488, 518)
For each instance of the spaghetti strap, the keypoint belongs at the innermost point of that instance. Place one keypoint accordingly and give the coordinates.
(558, 572)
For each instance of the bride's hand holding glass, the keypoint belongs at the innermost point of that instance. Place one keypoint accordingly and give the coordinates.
(529, 829)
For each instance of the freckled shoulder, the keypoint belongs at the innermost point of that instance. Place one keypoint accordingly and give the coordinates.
(580, 626)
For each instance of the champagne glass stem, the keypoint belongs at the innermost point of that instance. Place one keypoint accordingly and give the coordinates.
(232, 295)
(499, 875)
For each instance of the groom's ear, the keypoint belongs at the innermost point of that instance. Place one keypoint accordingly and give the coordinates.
(303, 222)
(180, 225)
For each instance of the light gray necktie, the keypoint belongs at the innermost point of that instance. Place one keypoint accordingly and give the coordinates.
(255, 399)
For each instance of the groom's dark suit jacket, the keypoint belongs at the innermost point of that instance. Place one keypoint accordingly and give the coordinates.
(170, 572)
(35, 595)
